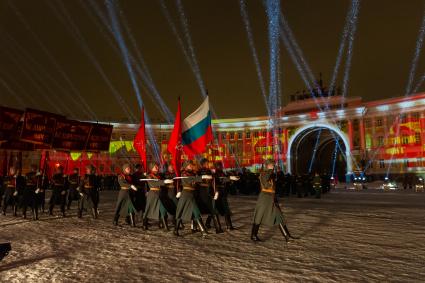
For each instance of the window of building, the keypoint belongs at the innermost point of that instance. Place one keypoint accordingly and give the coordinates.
(239, 135)
(368, 123)
(255, 134)
(264, 133)
(405, 139)
(223, 135)
(380, 141)
(164, 137)
(379, 122)
(403, 118)
(381, 163)
(417, 138)
(248, 135)
(232, 136)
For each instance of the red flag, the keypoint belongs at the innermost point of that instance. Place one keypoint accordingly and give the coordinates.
(139, 142)
(175, 143)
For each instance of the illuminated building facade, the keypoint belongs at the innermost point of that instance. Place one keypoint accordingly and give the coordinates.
(378, 137)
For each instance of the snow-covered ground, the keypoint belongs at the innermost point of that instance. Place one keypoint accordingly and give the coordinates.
(347, 236)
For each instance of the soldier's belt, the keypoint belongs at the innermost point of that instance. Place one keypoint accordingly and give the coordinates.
(154, 189)
(188, 188)
(88, 187)
(272, 191)
(11, 186)
(124, 188)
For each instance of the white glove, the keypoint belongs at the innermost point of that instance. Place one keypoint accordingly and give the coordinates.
(38, 174)
(179, 194)
(133, 188)
(81, 194)
(168, 181)
(78, 189)
(216, 196)
(15, 194)
(206, 177)
(63, 192)
(37, 191)
(234, 178)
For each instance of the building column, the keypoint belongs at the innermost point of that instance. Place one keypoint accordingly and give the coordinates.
(350, 133)
(362, 135)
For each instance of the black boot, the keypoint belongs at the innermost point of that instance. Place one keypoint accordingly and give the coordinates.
(24, 213)
(145, 224)
(254, 232)
(202, 227)
(35, 214)
(193, 227)
(132, 220)
(289, 234)
(282, 230)
(177, 227)
(229, 224)
(165, 223)
(116, 217)
(94, 213)
(217, 224)
(208, 222)
(80, 213)
(15, 210)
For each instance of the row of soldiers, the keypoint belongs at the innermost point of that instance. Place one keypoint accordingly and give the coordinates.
(195, 193)
(28, 191)
(164, 197)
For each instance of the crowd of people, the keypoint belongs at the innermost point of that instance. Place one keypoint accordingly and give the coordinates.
(145, 196)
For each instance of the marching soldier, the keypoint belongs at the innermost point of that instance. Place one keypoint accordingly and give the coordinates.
(88, 190)
(154, 208)
(10, 192)
(267, 210)
(317, 185)
(187, 208)
(41, 195)
(125, 206)
(59, 188)
(29, 196)
(74, 182)
(207, 195)
(168, 193)
(139, 197)
(221, 202)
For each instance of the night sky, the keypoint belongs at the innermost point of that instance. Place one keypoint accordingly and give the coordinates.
(383, 51)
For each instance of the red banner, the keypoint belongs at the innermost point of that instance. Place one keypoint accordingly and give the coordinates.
(71, 135)
(9, 122)
(99, 138)
(39, 126)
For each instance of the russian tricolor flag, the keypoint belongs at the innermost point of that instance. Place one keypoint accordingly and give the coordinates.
(197, 130)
